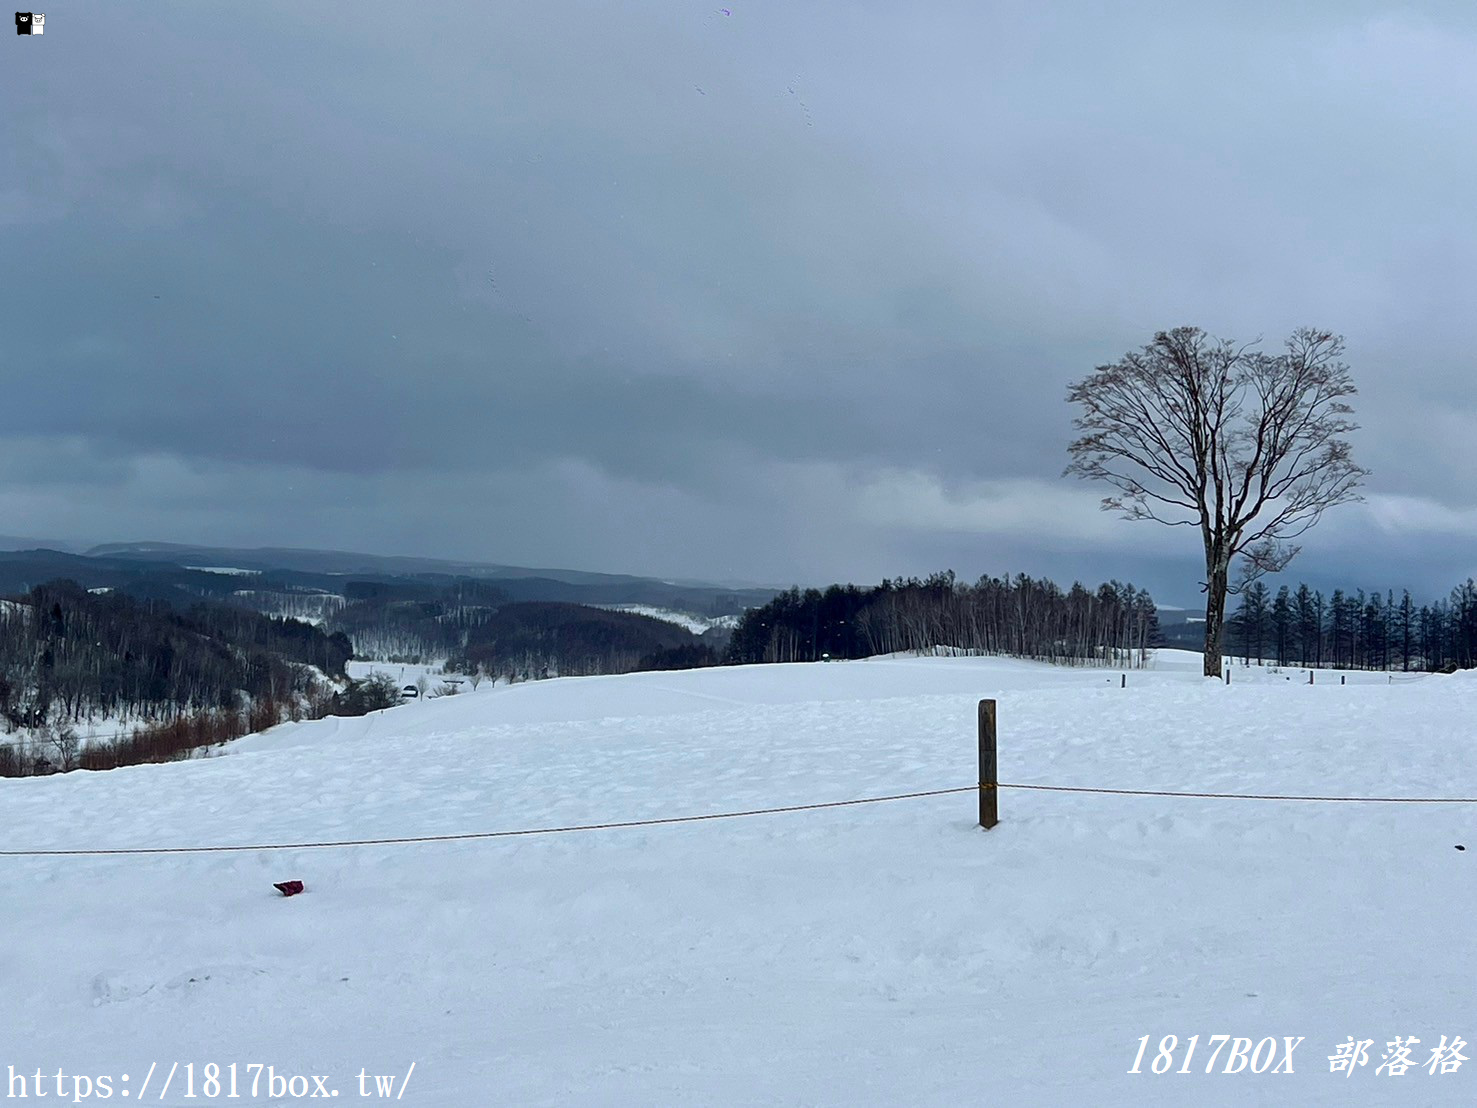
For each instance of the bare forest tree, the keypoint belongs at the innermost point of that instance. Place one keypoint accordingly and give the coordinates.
(1114, 625)
(1200, 432)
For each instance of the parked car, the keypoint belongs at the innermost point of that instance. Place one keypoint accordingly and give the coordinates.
(410, 692)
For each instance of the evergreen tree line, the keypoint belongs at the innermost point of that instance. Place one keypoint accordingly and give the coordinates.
(1356, 631)
(1018, 616)
(67, 655)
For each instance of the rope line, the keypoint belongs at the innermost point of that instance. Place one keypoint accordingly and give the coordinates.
(488, 834)
(1252, 796)
(660, 821)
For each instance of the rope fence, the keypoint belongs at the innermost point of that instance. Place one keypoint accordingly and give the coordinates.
(987, 788)
(708, 816)
(1249, 796)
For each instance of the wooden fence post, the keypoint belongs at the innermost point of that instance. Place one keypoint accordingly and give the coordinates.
(989, 790)
(1125, 682)
(1341, 678)
(1310, 676)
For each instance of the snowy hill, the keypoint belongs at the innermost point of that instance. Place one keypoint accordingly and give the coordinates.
(695, 623)
(886, 954)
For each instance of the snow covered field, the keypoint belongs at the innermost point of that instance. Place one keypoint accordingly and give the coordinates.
(696, 624)
(406, 673)
(878, 954)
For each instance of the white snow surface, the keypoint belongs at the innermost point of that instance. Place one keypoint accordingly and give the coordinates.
(694, 623)
(879, 954)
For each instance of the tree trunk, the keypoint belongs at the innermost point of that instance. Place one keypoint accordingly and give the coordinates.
(1217, 575)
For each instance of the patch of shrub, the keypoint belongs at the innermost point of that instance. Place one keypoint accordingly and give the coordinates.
(370, 694)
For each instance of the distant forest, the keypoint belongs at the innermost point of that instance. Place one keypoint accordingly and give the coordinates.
(537, 639)
(1018, 616)
(413, 621)
(67, 654)
(1021, 616)
(1354, 631)
(193, 673)
(394, 609)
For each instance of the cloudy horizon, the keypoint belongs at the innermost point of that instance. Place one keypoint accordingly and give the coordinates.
(753, 293)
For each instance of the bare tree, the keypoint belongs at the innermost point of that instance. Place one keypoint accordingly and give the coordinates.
(63, 738)
(1194, 431)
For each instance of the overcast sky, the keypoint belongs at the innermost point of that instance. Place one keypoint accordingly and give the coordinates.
(772, 292)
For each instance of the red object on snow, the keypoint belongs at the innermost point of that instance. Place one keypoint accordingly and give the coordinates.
(288, 888)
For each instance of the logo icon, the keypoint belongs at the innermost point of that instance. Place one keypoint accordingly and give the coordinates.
(30, 23)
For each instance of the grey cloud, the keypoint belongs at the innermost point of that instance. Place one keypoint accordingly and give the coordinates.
(559, 254)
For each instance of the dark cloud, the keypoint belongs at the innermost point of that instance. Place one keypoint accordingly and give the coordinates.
(792, 293)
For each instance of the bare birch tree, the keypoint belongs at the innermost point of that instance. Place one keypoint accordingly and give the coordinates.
(1200, 432)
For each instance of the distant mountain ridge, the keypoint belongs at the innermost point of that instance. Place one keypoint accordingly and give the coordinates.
(31, 542)
(170, 571)
(349, 562)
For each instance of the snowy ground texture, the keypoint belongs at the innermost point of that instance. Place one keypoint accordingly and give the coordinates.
(694, 623)
(881, 954)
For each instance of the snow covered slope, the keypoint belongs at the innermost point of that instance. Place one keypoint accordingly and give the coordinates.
(878, 954)
(694, 623)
